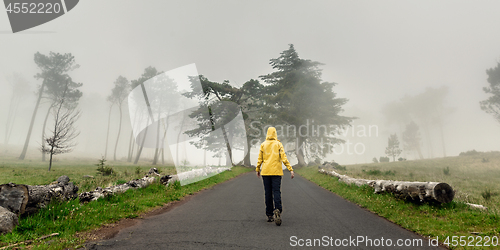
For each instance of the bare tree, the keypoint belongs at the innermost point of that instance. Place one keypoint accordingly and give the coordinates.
(64, 132)
(53, 67)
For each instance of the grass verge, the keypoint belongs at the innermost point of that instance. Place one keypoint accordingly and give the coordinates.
(68, 218)
(430, 220)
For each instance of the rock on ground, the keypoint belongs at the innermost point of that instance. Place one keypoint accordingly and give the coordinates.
(8, 220)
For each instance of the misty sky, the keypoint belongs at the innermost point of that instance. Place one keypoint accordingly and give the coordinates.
(377, 52)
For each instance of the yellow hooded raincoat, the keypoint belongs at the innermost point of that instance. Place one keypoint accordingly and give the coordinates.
(271, 155)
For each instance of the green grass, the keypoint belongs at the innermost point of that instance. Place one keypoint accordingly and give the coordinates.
(35, 172)
(430, 220)
(68, 218)
(469, 175)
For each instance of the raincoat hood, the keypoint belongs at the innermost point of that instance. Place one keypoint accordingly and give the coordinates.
(271, 134)
(272, 155)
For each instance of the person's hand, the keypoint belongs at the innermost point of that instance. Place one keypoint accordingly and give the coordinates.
(292, 174)
(258, 174)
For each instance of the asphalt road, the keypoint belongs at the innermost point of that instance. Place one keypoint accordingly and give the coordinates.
(232, 216)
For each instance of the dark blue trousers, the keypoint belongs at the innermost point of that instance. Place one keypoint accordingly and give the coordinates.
(272, 188)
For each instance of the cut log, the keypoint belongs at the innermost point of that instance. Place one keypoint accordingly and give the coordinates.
(14, 197)
(41, 196)
(423, 191)
(8, 220)
(152, 172)
(103, 192)
(25, 199)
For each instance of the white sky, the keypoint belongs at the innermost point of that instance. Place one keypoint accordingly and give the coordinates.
(377, 51)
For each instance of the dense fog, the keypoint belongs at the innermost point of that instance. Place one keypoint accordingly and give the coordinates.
(395, 61)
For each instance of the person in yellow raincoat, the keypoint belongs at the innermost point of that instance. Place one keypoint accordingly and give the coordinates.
(271, 155)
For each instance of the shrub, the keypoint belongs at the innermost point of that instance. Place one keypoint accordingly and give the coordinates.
(375, 160)
(390, 172)
(486, 194)
(446, 171)
(339, 167)
(373, 172)
(138, 170)
(384, 159)
(401, 159)
(102, 168)
(485, 160)
(468, 153)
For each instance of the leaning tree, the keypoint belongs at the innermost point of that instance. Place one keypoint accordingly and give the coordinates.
(61, 139)
(54, 69)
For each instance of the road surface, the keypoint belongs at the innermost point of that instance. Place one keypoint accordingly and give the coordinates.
(232, 216)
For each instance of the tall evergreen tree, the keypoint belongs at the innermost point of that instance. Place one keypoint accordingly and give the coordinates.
(297, 97)
(412, 139)
(393, 147)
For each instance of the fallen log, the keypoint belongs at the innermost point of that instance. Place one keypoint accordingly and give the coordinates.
(8, 220)
(14, 197)
(423, 191)
(188, 176)
(103, 192)
(25, 199)
(477, 206)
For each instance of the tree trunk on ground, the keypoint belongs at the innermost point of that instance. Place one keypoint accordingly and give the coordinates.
(107, 133)
(299, 151)
(43, 129)
(422, 191)
(29, 199)
(14, 197)
(8, 221)
(103, 192)
(119, 130)
(27, 141)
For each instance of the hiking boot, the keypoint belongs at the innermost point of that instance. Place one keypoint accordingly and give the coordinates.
(270, 218)
(277, 217)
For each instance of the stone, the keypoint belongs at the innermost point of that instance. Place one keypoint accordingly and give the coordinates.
(63, 180)
(8, 220)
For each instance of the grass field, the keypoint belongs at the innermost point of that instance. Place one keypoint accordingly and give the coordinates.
(70, 218)
(471, 176)
(35, 172)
